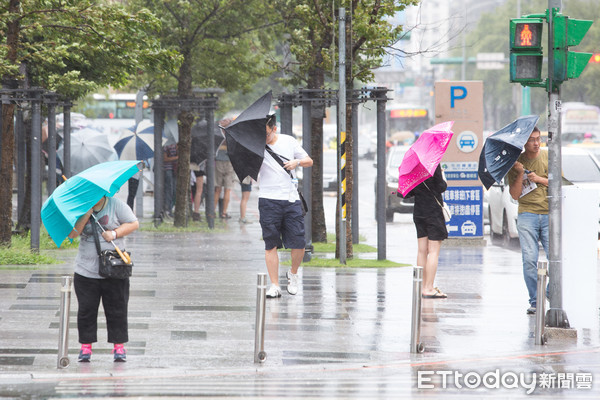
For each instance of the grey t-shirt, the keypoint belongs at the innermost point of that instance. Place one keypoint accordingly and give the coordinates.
(114, 214)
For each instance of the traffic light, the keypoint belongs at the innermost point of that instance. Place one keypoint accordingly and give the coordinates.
(526, 55)
(595, 58)
(569, 32)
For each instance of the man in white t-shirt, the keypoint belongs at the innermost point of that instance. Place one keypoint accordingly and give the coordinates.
(279, 206)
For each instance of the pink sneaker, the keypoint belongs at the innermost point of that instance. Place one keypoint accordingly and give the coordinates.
(119, 352)
(85, 354)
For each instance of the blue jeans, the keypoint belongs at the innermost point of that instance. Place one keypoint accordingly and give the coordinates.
(532, 228)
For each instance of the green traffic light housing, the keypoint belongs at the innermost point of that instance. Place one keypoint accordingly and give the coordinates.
(526, 53)
(569, 32)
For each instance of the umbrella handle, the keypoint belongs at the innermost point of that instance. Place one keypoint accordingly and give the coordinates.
(124, 257)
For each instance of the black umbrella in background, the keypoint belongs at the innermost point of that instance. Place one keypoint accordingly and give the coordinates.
(199, 150)
(247, 137)
(501, 149)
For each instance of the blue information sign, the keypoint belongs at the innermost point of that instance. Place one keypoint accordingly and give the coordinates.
(466, 204)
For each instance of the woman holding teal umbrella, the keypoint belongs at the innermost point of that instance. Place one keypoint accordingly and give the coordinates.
(67, 212)
(117, 221)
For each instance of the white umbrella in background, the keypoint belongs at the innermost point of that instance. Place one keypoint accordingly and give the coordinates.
(88, 148)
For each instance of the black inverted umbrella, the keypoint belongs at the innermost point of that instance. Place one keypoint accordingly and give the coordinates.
(247, 137)
(199, 150)
(501, 149)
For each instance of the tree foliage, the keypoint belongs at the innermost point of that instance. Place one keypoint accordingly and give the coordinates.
(73, 47)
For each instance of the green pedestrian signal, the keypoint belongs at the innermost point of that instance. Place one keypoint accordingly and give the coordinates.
(569, 32)
(526, 53)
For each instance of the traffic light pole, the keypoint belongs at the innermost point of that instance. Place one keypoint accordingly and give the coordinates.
(555, 316)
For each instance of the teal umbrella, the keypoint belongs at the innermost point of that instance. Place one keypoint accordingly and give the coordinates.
(79, 193)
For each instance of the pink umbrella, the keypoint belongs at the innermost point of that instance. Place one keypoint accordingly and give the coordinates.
(423, 157)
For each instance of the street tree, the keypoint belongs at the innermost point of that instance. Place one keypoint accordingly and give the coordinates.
(69, 47)
(221, 43)
(312, 27)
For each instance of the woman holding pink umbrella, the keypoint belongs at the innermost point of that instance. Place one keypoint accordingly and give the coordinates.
(420, 175)
(431, 229)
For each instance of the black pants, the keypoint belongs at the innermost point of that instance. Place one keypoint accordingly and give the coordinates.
(115, 296)
(132, 186)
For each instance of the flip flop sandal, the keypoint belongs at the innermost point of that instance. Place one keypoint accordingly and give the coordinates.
(437, 295)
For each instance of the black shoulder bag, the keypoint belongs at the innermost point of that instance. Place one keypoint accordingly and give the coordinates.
(280, 162)
(111, 264)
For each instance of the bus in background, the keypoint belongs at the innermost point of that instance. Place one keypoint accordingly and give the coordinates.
(405, 122)
(113, 112)
(579, 122)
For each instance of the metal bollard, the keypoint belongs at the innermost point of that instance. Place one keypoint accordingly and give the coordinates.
(63, 332)
(259, 337)
(540, 309)
(415, 330)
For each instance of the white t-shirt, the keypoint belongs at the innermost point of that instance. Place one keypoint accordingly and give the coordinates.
(273, 180)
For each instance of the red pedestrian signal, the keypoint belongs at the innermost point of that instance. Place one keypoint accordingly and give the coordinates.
(526, 54)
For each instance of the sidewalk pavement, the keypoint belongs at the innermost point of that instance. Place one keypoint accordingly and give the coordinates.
(346, 334)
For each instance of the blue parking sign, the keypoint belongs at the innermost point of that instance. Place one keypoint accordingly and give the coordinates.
(466, 204)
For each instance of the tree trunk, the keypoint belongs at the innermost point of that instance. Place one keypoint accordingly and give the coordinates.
(186, 118)
(349, 176)
(6, 174)
(316, 79)
(24, 217)
(8, 137)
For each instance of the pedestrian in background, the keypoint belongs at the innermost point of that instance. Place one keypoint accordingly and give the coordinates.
(199, 174)
(118, 221)
(528, 184)
(431, 229)
(224, 174)
(170, 157)
(281, 217)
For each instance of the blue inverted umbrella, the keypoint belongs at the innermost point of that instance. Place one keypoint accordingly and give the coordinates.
(501, 149)
(79, 193)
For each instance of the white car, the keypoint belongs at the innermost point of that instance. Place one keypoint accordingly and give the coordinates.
(393, 203)
(579, 167)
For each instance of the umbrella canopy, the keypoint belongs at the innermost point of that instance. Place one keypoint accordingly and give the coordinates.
(423, 157)
(79, 193)
(171, 131)
(199, 150)
(88, 148)
(501, 149)
(137, 142)
(247, 137)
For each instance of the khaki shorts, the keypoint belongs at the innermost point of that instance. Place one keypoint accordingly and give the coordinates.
(224, 174)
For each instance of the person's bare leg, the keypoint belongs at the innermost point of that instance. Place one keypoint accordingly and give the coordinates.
(430, 268)
(226, 197)
(297, 256)
(217, 195)
(198, 195)
(272, 261)
(423, 248)
(244, 204)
